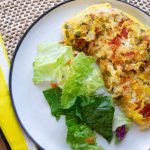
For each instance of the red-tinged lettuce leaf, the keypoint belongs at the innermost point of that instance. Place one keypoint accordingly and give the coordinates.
(121, 132)
(121, 126)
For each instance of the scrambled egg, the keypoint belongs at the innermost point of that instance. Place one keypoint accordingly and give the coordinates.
(121, 45)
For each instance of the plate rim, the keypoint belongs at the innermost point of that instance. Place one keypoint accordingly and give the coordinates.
(17, 49)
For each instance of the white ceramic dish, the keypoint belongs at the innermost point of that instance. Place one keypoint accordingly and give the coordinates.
(31, 108)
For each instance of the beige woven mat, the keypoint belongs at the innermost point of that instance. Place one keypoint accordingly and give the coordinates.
(17, 15)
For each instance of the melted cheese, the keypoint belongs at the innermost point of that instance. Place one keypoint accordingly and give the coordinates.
(120, 43)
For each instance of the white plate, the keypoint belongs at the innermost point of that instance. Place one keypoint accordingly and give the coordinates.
(31, 108)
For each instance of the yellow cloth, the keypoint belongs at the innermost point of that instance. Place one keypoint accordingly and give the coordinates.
(8, 121)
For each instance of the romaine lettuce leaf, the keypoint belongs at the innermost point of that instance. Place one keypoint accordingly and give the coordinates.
(79, 135)
(98, 113)
(93, 81)
(53, 97)
(121, 125)
(120, 119)
(83, 79)
(95, 111)
(49, 62)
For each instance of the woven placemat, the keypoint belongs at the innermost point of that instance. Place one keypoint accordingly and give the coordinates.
(17, 15)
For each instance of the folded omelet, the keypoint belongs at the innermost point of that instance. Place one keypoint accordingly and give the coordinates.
(121, 45)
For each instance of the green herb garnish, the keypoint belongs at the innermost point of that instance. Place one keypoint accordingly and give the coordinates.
(78, 34)
(66, 26)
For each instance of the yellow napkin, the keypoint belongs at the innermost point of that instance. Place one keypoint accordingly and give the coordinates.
(8, 122)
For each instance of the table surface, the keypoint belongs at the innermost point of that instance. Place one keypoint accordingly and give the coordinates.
(17, 15)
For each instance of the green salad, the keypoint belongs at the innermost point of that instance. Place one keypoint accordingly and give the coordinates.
(77, 91)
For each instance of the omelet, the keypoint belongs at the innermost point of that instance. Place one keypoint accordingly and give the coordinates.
(121, 45)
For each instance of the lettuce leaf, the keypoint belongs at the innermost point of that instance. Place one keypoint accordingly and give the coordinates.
(79, 135)
(93, 81)
(120, 119)
(121, 126)
(53, 97)
(80, 77)
(49, 62)
(98, 113)
(83, 79)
